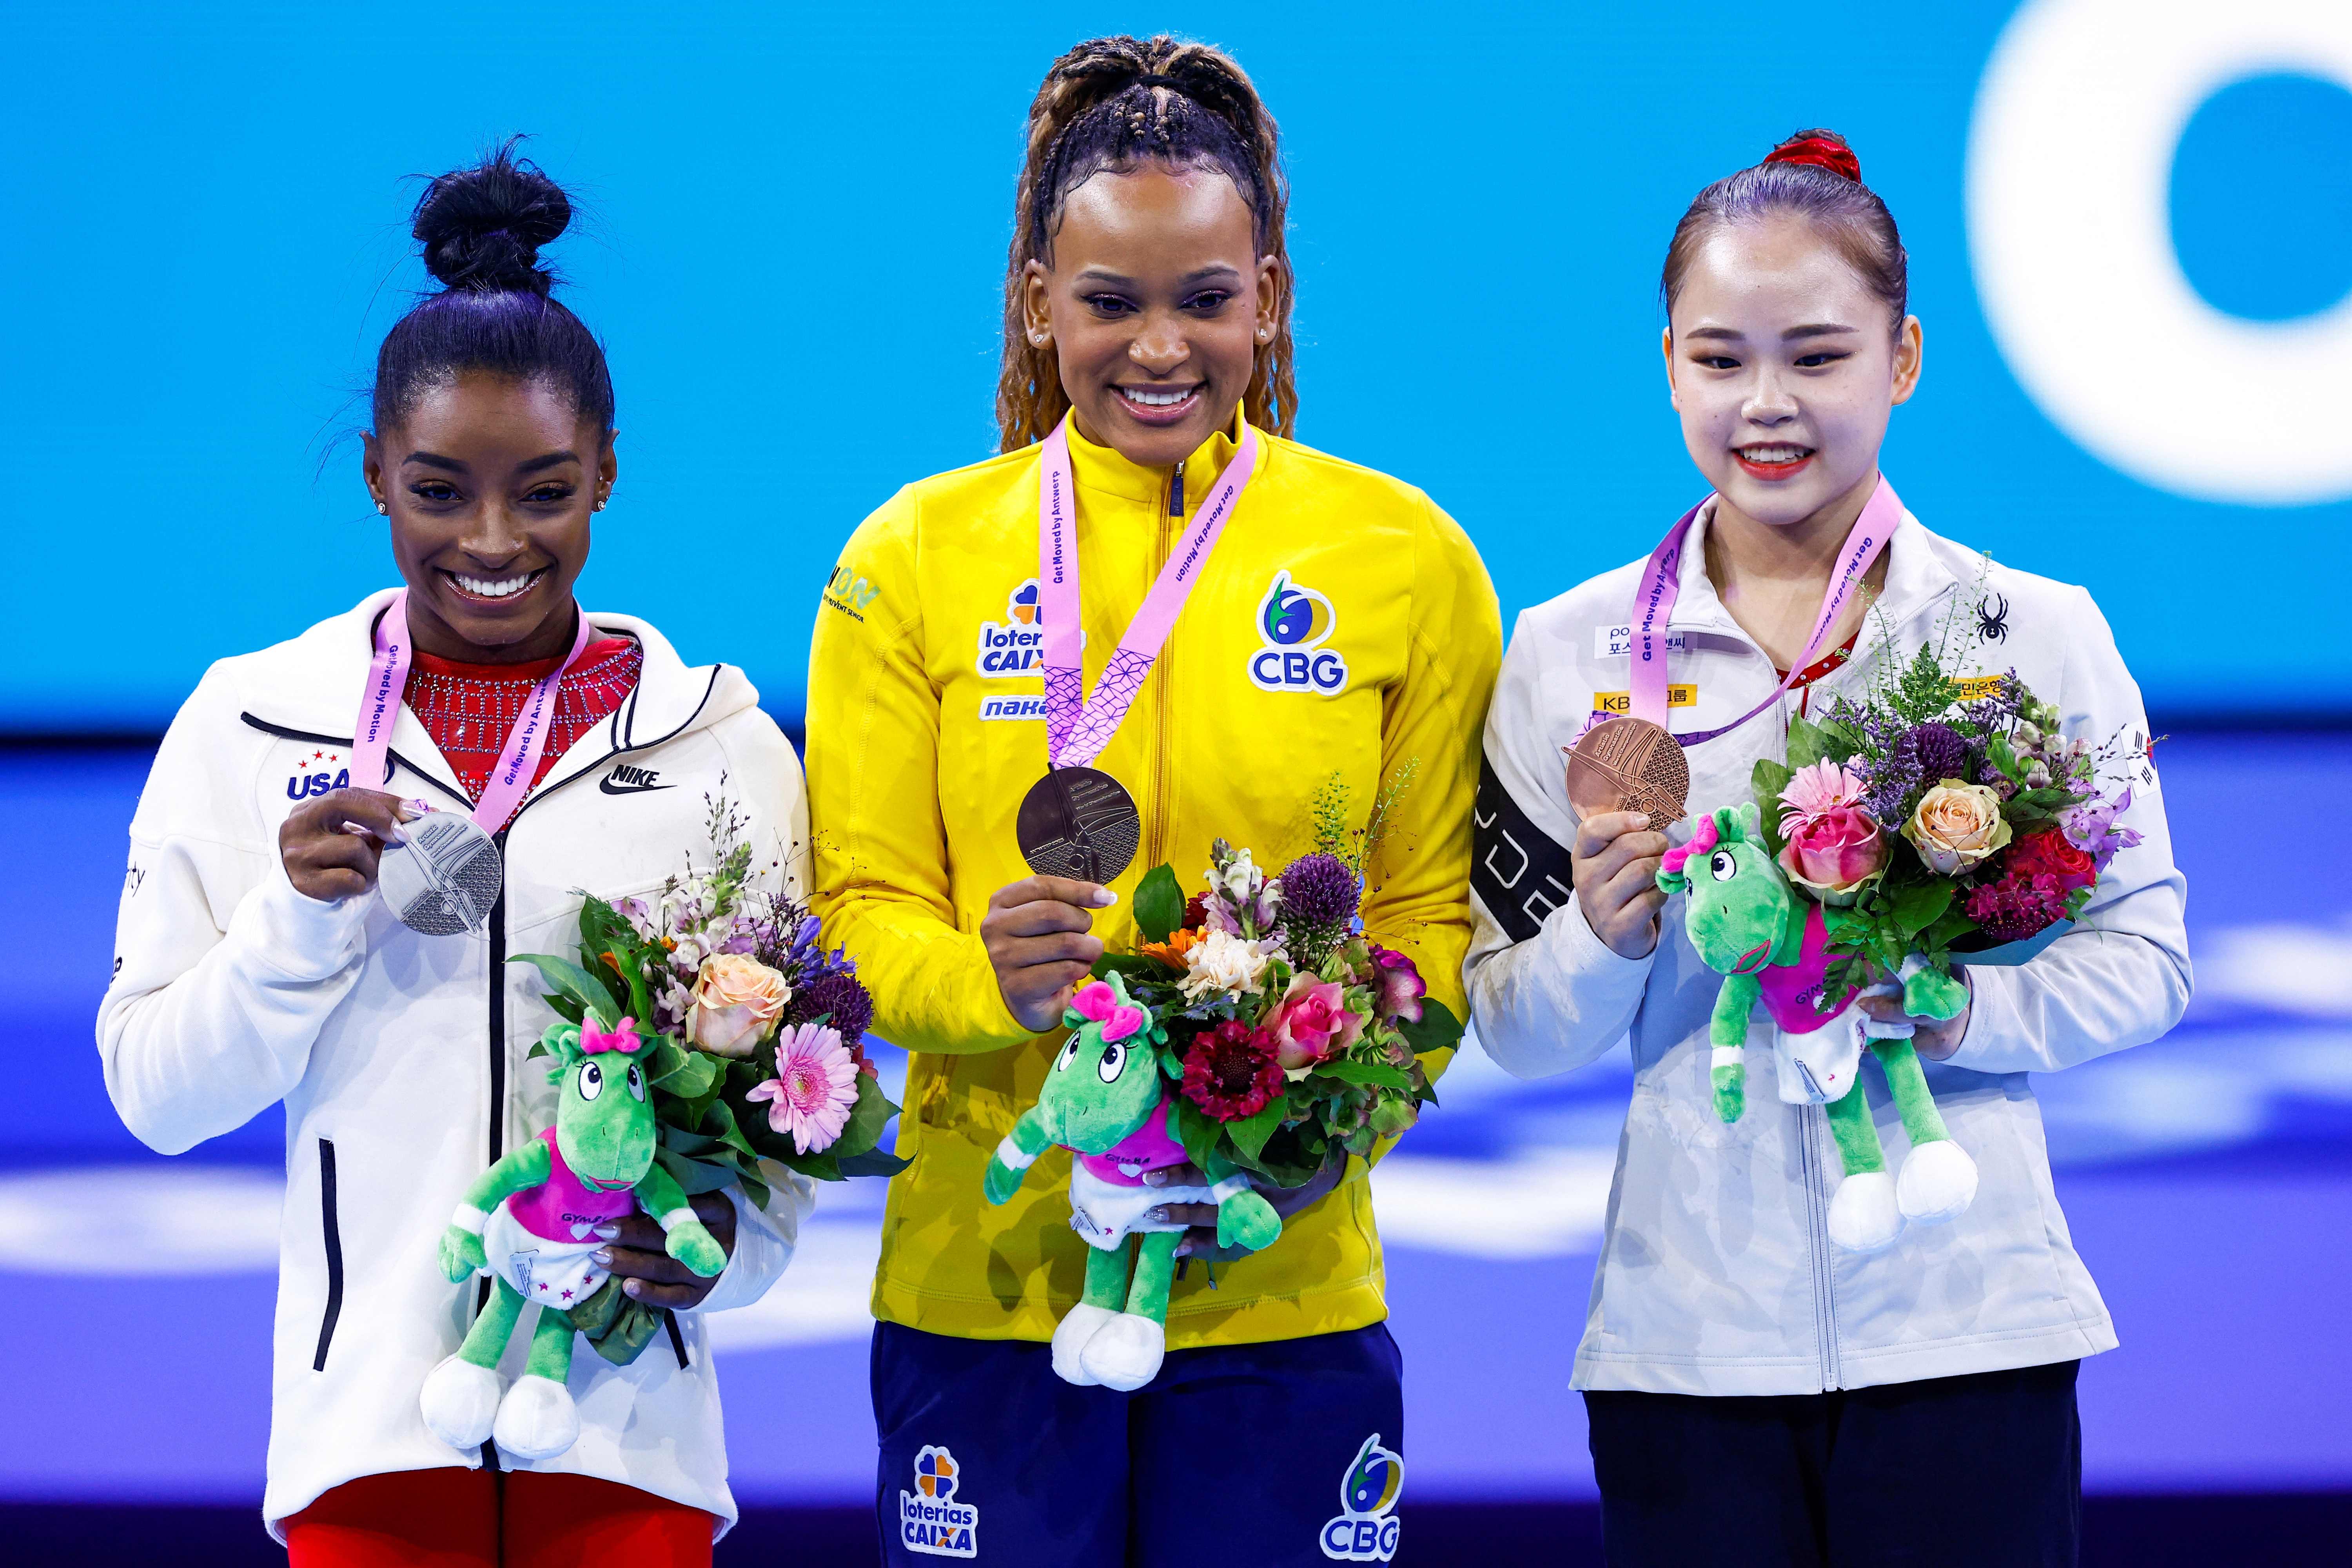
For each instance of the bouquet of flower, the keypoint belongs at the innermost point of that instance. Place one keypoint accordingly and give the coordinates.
(1290, 1034)
(1941, 815)
(757, 1032)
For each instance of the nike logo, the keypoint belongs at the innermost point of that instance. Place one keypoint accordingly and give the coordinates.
(626, 780)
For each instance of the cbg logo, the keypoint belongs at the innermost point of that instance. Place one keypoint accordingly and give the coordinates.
(1296, 622)
(1366, 1531)
(930, 1518)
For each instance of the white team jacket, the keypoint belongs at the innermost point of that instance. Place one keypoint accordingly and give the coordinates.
(1717, 1275)
(400, 1057)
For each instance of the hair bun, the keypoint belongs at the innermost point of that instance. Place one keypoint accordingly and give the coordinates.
(482, 227)
(1823, 149)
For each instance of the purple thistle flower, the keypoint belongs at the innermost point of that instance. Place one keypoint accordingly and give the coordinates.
(1941, 753)
(844, 996)
(1320, 890)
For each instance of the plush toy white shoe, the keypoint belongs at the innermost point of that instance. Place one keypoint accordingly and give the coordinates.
(1863, 1213)
(1939, 1182)
(1126, 1352)
(460, 1400)
(1077, 1330)
(537, 1419)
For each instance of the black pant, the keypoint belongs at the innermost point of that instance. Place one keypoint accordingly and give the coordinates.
(1982, 1471)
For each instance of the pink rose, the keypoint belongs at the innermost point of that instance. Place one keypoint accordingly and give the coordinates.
(735, 1001)
(1834, 854)
(1402, 986)
(1312, 1022)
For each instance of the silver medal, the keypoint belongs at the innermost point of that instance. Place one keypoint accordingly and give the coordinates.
(445, 879)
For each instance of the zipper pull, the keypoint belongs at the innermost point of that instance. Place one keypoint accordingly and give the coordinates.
(1176, 491)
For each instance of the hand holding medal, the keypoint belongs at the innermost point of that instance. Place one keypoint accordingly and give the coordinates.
(443, 876)
(1078, 827)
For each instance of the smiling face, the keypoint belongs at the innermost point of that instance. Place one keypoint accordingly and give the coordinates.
(1784, 372)
(489, 483)
(1155, 301)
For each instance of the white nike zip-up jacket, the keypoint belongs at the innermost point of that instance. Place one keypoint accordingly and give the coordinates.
(401, 1057)
(1716, 1275)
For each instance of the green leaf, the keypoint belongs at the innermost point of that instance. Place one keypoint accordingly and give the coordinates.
(875, 1161)
(1158, 904)
(695, 1175)
(1839, 744)
(1196, 1131)
(1919, 905)
(867, 1118)
(1135, 968)
(567, 979)
(1807, 744)
(1435, 1029)
(1379, 1074)
(692, 1077)
(1249, 1134)
(1766, 781)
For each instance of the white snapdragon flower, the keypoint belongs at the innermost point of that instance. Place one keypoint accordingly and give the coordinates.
(1239, 880)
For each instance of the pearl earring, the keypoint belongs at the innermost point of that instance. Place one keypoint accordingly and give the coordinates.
(382, 510)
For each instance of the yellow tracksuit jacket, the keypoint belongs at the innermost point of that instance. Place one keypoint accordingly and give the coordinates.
(925, 731)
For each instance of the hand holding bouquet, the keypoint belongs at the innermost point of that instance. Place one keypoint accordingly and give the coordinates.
(1291, 1036)
(755, 1032)
(1941, 816)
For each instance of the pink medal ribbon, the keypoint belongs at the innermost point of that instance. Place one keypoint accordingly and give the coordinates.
(1661, 584)
(380, 701)
(1078, 726)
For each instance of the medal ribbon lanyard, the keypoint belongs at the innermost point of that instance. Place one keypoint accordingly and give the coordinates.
(1078, 726)
(380, 701)
(1661, 584)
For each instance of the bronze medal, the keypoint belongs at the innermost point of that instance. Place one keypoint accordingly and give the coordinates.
(1078, 822)
(1627, 764)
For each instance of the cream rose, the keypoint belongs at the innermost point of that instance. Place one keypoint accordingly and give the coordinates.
(1222, 961)
(1956, 826)
(735, 1001)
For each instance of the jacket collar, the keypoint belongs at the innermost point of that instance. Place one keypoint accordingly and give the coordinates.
(311, 685)
(1917, 579)
(1104, 470)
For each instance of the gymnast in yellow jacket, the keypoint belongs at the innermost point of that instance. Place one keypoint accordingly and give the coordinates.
(1340, 624)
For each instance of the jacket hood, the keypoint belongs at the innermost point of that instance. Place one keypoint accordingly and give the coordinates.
(310, 685)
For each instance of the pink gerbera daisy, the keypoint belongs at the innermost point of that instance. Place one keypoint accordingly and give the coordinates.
(815, 1088)
(1817, 790)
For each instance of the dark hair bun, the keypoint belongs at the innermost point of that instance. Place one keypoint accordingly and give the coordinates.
(482, 227)
(1823, 149)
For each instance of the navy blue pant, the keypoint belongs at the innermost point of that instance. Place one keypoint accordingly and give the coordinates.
(1270, 1455)
(1982, 1471)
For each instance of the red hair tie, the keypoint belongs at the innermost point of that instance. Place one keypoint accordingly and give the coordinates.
(1821, 151)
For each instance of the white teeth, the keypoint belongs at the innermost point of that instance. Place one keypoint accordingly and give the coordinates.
(1150, 399)
(1774, 454)
(495, 587)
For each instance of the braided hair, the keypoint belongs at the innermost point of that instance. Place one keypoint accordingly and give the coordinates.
(1115, 103)
(480, 230)
(1815, 175)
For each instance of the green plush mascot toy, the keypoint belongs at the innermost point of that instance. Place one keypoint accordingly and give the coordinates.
(1105, 1101)
(530, 1222)
(1771, 946)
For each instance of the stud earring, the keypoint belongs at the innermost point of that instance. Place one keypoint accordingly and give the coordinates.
(382, 510)
(600, 506)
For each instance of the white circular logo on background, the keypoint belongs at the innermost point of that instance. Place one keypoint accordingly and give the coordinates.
(2070, 162)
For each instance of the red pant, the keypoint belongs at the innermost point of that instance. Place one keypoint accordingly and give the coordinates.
(457, 1518)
